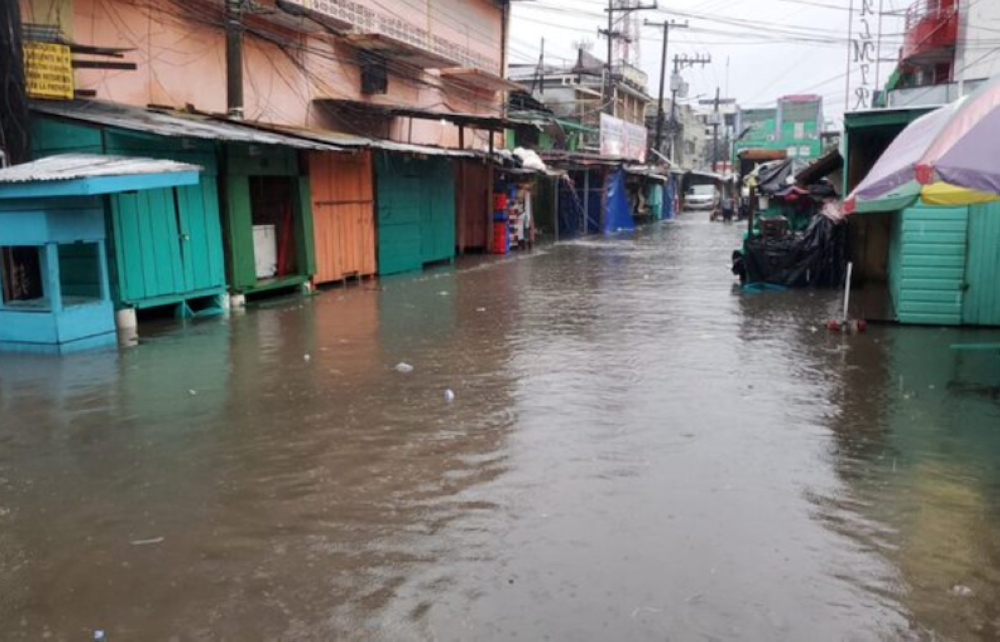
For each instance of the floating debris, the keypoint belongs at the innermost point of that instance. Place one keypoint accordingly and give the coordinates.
(404, 368)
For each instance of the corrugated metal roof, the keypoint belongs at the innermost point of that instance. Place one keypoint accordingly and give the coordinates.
(361, 142)
(66, 167)
(171, 123)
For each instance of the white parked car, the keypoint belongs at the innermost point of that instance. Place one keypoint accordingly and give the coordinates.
(702, 197)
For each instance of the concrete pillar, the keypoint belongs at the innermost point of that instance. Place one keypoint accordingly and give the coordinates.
(126, 319)
(127, 324)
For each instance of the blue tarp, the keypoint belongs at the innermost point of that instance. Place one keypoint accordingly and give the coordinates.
(570, 211)
(617, 214)
(669, 198)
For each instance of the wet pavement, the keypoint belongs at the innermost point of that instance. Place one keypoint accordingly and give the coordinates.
(635, 451)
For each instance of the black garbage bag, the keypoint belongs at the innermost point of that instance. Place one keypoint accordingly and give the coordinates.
(816, 257)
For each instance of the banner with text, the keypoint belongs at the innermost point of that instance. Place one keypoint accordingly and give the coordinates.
(622, 139)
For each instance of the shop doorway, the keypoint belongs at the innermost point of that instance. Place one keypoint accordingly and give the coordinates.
(272, 207)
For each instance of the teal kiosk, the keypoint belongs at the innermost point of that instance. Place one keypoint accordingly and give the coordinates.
(56, 294)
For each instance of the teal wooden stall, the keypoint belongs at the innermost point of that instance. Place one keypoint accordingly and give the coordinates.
(165, 244)
(56, 292)
(944, 265)
(416, 212)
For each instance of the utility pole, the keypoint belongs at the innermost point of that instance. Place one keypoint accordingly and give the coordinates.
(680, 63)
(612, 35)
(660, 114)
(539, 77)
(715, 134)
(234, 58)
(15, 137)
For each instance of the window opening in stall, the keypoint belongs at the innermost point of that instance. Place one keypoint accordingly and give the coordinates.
(79, 273)
(21, 270)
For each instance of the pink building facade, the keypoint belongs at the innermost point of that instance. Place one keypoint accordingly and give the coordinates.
(302, 59)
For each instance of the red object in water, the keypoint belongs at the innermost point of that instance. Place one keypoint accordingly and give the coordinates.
(501, 238)
(851, 327)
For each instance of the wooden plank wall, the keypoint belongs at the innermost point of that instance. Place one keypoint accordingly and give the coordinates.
(472, 181)
(343, 213)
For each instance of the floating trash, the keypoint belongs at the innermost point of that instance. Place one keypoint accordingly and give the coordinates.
(404, 368)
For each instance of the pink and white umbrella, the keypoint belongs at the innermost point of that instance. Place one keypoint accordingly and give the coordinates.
(956, 147)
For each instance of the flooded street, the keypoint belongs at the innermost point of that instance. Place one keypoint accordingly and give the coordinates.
(635, 451)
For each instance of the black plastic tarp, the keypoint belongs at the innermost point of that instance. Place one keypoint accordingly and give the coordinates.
(777, 176)
(816, 257)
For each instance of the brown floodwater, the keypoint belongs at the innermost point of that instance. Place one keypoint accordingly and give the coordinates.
(635, 451)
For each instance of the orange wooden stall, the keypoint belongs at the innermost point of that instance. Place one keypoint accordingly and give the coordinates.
(343, 215)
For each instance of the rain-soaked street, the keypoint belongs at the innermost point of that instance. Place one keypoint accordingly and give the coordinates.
(635, 451)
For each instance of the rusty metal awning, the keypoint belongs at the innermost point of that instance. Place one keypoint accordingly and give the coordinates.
(493, 123)
(479, 79)
(171, 123)
(350, 141)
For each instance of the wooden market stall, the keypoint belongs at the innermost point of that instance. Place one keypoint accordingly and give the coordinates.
(343, 209)
(56, 290)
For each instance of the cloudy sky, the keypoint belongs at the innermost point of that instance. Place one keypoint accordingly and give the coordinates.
(761, 49)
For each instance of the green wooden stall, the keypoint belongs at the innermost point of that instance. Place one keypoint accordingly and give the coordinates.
(944, 265)
(416, 212)
(165, 245)
(264, 186)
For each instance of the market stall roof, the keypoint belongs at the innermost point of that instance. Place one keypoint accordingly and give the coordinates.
(92, 175)
(647, 171)
(702, 174)
(351, 141)
(579, 159)
(864, 118)
(820, 168)
(479, 79)
(495, 123)
(168, 122)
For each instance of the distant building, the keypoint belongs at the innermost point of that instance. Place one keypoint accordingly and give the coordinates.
(576, 93)
(794, 125)
(949, 49)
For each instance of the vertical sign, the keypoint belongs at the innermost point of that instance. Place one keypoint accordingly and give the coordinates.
(861, 55)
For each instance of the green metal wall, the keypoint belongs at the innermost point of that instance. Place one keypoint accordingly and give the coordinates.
(982, 292)
(930, 273)
(416, 212)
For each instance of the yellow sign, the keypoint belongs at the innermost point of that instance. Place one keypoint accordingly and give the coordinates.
(48, 69)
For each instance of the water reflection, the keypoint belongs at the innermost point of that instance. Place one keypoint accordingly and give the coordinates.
(636, 451)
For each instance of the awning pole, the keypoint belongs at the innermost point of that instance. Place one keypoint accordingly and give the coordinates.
(491, 168)
(463, 209)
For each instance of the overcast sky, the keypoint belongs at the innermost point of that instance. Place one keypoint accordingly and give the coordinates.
(772, 47)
